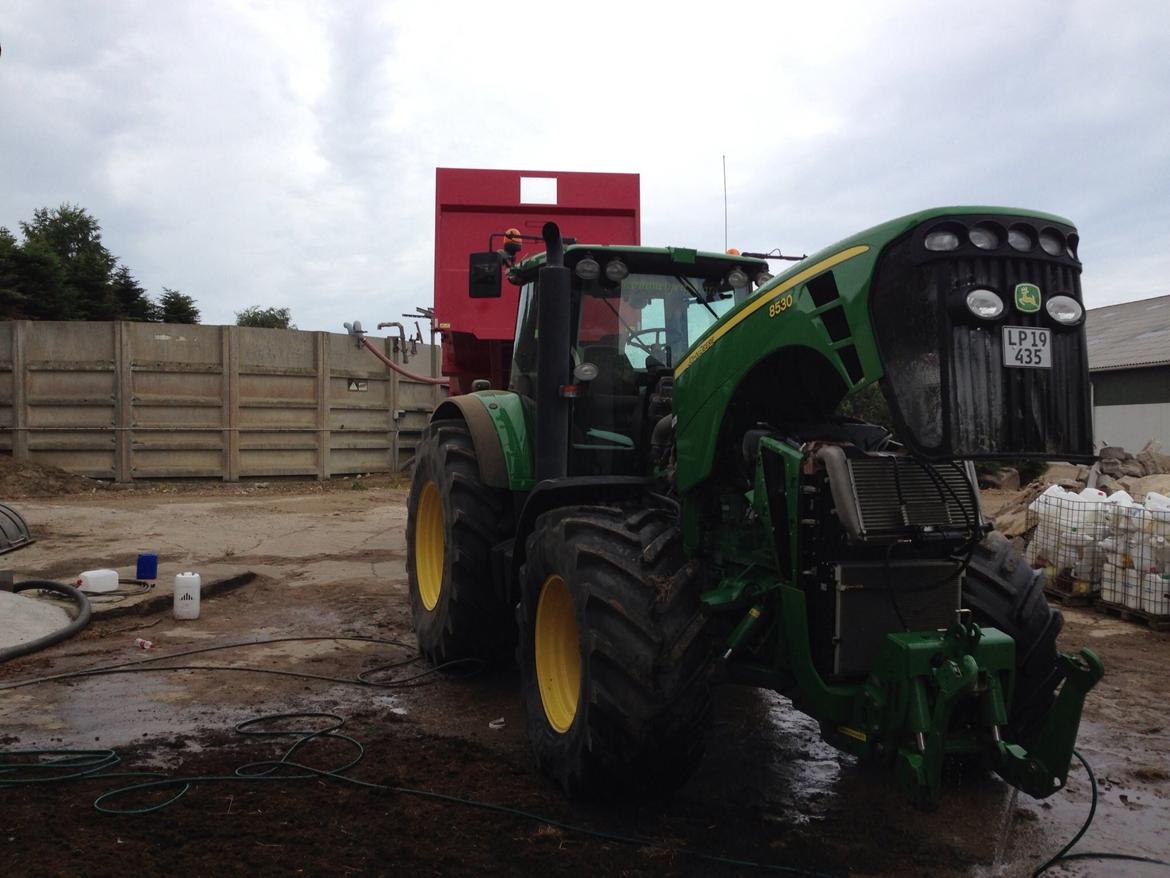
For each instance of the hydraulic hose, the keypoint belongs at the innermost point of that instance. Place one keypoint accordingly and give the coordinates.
(411, 375)
(79, 621)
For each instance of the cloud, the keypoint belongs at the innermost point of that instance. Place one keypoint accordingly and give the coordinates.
(283, 153)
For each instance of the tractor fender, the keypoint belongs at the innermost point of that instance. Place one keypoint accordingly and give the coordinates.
(570, 491)
(496, 422)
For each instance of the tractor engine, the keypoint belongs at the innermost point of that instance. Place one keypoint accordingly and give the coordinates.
(882, 540)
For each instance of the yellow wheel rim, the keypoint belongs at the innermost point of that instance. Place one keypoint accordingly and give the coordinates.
(428, 545)
(558, 653)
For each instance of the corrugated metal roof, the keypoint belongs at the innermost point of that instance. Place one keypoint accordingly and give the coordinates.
(1130, 334)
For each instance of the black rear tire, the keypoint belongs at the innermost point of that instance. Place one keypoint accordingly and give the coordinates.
(643, 647)
(463, 616)
(1003, 592)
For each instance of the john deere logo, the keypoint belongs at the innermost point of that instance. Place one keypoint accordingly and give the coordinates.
(1027, 298)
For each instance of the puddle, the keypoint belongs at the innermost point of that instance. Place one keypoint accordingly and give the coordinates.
(775, 754)
(1133, 808)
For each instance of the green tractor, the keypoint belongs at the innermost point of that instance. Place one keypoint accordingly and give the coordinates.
(668, 497)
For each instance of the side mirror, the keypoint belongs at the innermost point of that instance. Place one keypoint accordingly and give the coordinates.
(483, 275)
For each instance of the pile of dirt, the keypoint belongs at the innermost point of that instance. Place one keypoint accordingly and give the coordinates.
(23, 478)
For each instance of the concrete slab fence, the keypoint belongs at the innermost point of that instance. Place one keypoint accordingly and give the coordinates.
(129, 401)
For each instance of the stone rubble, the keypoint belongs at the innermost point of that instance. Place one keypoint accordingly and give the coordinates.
(1116, 470)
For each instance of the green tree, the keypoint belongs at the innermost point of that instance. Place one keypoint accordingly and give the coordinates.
(131, 299)
(75, 238)
(177, 307)
(267, 318)
(33, 283)
(63, 271)
(12, 298)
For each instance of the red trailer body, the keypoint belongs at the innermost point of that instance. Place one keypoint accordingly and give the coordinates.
(470, 206)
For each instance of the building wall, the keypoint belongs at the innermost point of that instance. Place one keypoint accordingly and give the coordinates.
(140, 400)
(1132, 406)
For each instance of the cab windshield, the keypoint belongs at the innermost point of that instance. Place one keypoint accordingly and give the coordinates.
(630, 336)
(648, 321)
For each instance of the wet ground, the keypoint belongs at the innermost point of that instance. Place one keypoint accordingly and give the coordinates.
(329, 564)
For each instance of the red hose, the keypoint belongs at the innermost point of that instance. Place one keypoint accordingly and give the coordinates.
(413, 377)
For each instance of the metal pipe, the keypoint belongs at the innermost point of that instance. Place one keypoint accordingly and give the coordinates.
(400, 343)
(553, 316)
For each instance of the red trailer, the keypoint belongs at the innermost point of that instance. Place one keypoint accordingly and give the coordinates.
(470, 207)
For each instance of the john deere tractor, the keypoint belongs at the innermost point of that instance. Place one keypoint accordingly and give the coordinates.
(668, 497)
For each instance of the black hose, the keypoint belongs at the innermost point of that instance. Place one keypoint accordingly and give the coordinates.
(79, 622)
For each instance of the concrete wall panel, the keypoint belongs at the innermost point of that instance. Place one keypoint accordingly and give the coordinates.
(172, 343)
(72, 341)
(136, 400)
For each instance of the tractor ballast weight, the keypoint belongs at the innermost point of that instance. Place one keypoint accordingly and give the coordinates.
(667, 497)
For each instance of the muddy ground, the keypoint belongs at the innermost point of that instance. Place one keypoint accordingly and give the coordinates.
(328, 562)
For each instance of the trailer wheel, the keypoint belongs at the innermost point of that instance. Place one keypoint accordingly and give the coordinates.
(453, 520)
(1003, 592)
(614, 654)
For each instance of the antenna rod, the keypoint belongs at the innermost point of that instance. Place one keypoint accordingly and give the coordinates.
(725, 201)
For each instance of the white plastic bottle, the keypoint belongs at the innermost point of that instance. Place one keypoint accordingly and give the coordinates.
(187, 596)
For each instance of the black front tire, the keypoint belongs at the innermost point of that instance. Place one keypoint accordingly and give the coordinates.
(1003, 592)
(456, 610)
(643, 651)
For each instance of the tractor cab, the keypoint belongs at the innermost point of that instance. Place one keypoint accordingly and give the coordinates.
(634, 313)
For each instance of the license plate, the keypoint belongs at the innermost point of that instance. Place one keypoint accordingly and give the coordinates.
(1027, 348)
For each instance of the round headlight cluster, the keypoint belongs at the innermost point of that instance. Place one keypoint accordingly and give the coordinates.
(990, 235)
(984, 304)
(1065, 310)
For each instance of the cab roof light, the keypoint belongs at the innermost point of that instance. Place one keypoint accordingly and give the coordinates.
(587, 268)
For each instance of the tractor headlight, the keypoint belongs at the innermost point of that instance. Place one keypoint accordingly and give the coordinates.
(1052, 242)
(763, 277)
(1021, 238)
(984, 304)
(616, 270)
(588, 268)
(1065, 310)
(986, 236)
(737, 278)
(942, 239)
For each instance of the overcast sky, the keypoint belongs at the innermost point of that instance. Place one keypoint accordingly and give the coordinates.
(283, 153)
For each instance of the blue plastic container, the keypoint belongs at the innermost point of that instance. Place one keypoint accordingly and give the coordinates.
(147, 566)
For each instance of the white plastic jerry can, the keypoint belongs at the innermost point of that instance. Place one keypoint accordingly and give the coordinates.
(97, 581)
(187, 596)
